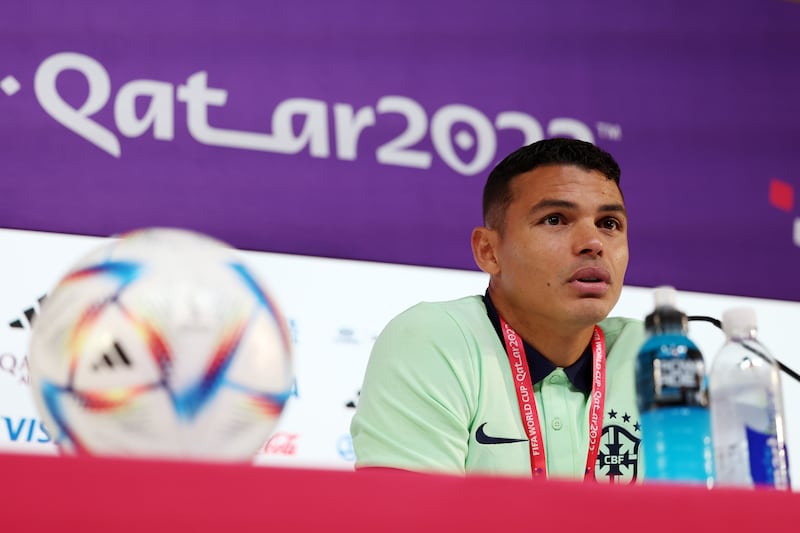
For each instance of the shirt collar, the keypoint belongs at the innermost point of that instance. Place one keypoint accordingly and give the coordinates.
(579, 373)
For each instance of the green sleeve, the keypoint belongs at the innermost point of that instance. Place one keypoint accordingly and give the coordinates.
(418, 395)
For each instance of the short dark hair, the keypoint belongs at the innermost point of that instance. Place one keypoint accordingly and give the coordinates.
(558, 151)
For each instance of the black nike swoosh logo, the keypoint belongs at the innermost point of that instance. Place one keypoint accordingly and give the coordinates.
(483, 438)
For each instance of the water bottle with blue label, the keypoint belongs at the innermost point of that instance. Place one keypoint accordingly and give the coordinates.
(672, 394)
(747, 408)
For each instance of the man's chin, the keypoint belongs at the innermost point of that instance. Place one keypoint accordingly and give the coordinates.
(590, 311)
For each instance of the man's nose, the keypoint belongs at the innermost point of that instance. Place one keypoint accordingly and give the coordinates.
(589, 241)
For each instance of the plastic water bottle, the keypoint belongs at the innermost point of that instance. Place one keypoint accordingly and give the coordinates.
(672, 395)
(747, 408)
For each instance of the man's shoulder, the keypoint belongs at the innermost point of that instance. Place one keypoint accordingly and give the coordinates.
(444, 325)
(613, 325)
(623, 334)
(468, 308)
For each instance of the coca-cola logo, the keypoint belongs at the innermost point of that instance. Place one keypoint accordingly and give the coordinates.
(281, 443)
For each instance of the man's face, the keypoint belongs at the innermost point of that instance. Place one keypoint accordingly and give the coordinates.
(563, 250)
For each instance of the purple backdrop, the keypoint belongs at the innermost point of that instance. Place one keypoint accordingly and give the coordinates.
(266, 123)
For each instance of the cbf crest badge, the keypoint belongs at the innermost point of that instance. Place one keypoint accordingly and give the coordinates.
(618, 457)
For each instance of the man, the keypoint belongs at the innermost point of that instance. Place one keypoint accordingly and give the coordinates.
(448, 384)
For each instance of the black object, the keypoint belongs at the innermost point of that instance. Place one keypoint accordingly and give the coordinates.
(700, 318)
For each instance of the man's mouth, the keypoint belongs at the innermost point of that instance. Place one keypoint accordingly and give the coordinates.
(591, 275)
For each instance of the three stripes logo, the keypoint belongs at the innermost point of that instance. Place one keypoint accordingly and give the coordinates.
(353, 403)
(17, 365)
(29, 316)
(116, 359)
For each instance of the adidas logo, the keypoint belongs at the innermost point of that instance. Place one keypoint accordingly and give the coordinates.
(352, 404)
(116, 359)
(30, 315)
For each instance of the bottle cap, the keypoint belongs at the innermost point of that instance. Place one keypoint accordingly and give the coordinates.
(664, 296)
(739, 319)
(666, 316)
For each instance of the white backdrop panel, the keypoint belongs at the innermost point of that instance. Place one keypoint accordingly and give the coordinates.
(335, 309)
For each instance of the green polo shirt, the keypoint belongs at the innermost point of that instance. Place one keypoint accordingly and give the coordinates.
(438, 396)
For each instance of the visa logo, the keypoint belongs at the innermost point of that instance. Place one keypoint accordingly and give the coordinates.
(26, 430)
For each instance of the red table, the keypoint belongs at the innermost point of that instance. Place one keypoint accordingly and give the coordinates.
(87, 494)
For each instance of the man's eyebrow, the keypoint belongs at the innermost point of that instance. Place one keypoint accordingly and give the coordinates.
(550, 203)
(614, 208)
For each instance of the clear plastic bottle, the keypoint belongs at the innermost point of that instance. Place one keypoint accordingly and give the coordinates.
(672, 395)
(747, 408)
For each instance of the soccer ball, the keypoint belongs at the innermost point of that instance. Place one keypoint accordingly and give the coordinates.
(160, 344)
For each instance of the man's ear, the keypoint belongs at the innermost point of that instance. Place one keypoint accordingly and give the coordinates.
(484, 249)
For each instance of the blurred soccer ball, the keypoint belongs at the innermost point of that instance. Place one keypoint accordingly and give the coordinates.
(160, 344)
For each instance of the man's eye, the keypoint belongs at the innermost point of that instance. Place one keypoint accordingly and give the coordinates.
(611, 223)
(552, 220)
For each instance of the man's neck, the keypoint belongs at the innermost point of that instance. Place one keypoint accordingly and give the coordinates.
(561, 349)
(562, 344)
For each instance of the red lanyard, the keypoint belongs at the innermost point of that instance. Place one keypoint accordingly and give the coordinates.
(527, 401)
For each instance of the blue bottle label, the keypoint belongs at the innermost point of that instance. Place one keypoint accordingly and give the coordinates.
(765, 456)
(675, 378)
(670, 372)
